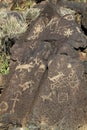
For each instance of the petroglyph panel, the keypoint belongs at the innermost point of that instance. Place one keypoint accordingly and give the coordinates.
(66, 30)
(64, 78)
(68, 77)
(48, 81)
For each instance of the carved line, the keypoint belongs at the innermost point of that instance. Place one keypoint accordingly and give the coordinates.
(15, 100)
(3, 106)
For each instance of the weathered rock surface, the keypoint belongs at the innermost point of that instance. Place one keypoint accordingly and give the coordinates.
(47, 84)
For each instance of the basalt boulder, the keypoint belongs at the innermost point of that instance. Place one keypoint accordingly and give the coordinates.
(47, 83)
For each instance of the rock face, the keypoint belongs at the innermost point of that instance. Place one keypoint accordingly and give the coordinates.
(47, 84)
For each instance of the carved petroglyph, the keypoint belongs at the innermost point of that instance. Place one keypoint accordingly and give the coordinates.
(32, 46)
(62, 97)
(60, 123)
(56, 78)
(53, 25)
(47, 97)
(78, 29)
(27, 67)
(69, 17)
(73, 80)
(37, 61)
(42, 67)
(68, 32)
(50, 62)
(3, 106)
(37, 30)
(27, 85)
(15, 100)
(62, 81)
(52, 22)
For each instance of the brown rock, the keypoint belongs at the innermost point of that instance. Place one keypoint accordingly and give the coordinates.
(47, 83)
